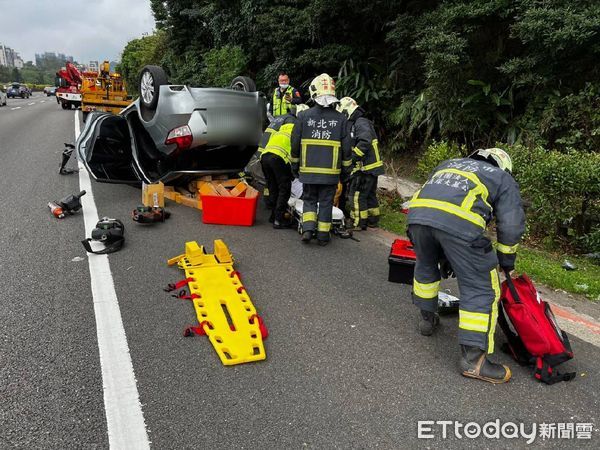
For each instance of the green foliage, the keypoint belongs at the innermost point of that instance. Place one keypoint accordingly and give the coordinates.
(547, 268)
(564, 191)
(391, 218)
(138, 53)
(221, 65)
(434, 155)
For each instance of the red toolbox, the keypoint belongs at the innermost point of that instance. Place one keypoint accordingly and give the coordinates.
(223, 210)
(402, 262)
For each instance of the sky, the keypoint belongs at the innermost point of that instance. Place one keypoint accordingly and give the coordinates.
(86, 29)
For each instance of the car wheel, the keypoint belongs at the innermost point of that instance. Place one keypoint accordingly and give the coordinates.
(65, 105)
(151, 79)
(245, 84)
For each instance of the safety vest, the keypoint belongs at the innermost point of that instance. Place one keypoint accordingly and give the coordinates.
(366, 147)
(324, 147)
(276, 138)
(461, 197)
(280, 105)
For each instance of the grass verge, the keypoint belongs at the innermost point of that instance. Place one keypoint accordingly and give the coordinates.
(543, 267)
(547, 269)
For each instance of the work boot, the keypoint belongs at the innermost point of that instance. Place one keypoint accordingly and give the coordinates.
(323, 242)
(373, 225)
(307, 236)
(282, 224)
(474, 364)
(428, 323)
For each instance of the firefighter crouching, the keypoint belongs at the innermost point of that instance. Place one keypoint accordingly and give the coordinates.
(449, 215)
(366, 167)
(321, 154)
(275, 153)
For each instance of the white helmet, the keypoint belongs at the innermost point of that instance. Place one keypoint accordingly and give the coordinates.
(347, 106)
(301, 107)
(495, 156)
(322, 85)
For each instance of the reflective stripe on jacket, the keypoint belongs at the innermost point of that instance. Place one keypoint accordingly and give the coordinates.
(461, 197)
(365, 145)
(321, 146)
(280, 106)
(276, 138)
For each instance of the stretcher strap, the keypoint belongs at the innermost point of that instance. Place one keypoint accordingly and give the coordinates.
(264, 332)
(174, 286)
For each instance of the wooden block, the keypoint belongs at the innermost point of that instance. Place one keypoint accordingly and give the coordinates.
(223, 191)
(192, 202)
(153, 194)
(227, 183)
(251, 192)
(171, 195)
(206, 178)
(239, 189)
(208, 189)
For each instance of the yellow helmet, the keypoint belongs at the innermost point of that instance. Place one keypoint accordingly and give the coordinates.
(301, 107)
(322, 85)
(496, 156)
(347, 106)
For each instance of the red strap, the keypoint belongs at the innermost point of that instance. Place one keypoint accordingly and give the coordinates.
(264, 332)
(174, 286)
(199, 330)
(240, 289)
(183, 295)
(235, 272)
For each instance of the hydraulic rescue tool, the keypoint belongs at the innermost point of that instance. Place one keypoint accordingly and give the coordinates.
(108, 231)
(224, 310)
(149, 214)
(68, 205)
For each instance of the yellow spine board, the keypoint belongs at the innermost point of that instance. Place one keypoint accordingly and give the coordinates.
(223, 302)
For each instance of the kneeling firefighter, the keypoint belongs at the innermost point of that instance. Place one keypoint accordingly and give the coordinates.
(366, 166)
(275, 153)
(321, 153)
(448, 216)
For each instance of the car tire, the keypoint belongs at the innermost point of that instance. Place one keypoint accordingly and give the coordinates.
(245, 84)
(151, 79)
(65, 105)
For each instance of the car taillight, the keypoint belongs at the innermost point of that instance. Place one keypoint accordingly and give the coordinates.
(180, 136)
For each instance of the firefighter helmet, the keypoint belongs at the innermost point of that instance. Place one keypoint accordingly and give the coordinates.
(301, 107)
(347, 106)
(495, 156)
(322, 85)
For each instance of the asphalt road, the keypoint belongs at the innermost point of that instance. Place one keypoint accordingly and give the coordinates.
(345, 365)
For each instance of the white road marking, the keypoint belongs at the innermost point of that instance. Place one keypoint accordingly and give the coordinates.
(32, 103)
(124, 417)
(43, 101)
(16, 107)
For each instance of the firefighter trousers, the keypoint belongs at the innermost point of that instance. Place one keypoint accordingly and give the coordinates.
(278, 175)
(475, 265)
(362, 198)
(323, 194)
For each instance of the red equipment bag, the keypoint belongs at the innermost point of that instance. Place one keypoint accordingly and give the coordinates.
(534, 337)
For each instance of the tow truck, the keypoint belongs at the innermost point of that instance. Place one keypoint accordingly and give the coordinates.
(104, 92)
(68, 84)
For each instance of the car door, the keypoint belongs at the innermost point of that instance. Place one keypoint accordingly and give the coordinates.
(105, 148)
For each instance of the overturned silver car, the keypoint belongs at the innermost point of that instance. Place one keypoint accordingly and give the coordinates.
(174, 131)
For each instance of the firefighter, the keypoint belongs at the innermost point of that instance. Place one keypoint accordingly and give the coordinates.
(275, 149)
(448, 216)
(366, 167)
(321, 155)
(284, 97)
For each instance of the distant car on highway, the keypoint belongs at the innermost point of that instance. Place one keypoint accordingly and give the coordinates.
(18, 90)
(50, 90)
(2, 96)
(174, 132)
